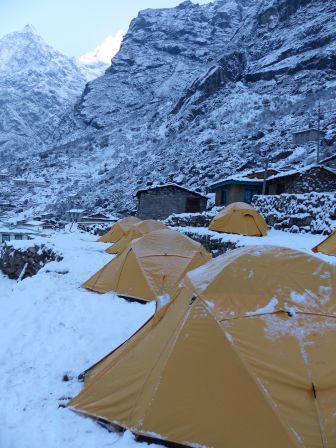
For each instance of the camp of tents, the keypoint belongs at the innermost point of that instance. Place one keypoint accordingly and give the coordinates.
(240, 351)
(242, 355)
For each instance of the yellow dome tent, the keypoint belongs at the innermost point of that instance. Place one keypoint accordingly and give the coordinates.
(119, 229)
(328, 246)
(239, 218)
(243, 356)
(151, 266)
(136, 231)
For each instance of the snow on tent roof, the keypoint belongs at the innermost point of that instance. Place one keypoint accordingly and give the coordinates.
(173, 185)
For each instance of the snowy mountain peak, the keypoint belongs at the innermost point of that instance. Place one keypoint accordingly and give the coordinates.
(37, 84)
(29, 29)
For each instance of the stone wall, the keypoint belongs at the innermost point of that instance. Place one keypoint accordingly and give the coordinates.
(22, 263)
(212, 243)
(311, 212)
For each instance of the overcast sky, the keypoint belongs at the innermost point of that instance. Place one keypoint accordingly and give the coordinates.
(75, 27)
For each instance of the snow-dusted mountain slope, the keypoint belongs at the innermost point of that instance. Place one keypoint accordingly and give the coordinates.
(38, 86)
(197, 92)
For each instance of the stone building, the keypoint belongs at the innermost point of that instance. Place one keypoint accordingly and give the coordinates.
(312, 178)
(164, 200)
(307, 136)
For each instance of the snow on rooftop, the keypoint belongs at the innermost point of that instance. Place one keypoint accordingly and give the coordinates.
(155, 187)
(303, 169)
(17, 230)
(237, 178)
(77, 210)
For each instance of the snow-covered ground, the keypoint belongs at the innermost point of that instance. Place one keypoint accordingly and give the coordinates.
(299, 241)
(50, 326)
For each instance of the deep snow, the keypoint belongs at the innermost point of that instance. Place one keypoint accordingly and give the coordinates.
(50, 327)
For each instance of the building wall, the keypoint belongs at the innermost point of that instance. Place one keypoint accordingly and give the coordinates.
(314, 180)
(306, 136)
(160, 203)
(235, 193)
(12, 236)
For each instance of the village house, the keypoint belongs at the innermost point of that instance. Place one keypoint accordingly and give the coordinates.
(317, 178)
(20, 182)
(75, 214)
(6, 205)
(97, 218)
(311, 178)
(161, 201)
(307, 136)
(240, 188)
(15, 233)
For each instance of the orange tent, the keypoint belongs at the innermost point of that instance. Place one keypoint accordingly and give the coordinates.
(136, 231)
(239, 218)
(242, 356)
(119, 229)
(151, 266)
(328, 246)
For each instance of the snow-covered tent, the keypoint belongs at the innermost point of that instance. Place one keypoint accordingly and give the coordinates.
(119, 229)
(327, 246)
(242, 356)
(151, 266)
(136, 231)
(239, 218)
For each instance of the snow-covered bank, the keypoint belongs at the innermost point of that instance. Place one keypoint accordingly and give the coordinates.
(50, 327)
(298, 241)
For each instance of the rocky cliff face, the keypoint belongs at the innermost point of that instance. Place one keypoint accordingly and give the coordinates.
(197, 92)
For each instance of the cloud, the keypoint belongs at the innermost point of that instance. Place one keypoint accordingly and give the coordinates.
(105, 51)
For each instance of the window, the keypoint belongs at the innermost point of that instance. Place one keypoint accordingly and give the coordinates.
(18, 237)
(5, 237)
(249, 193)
(193, 205)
